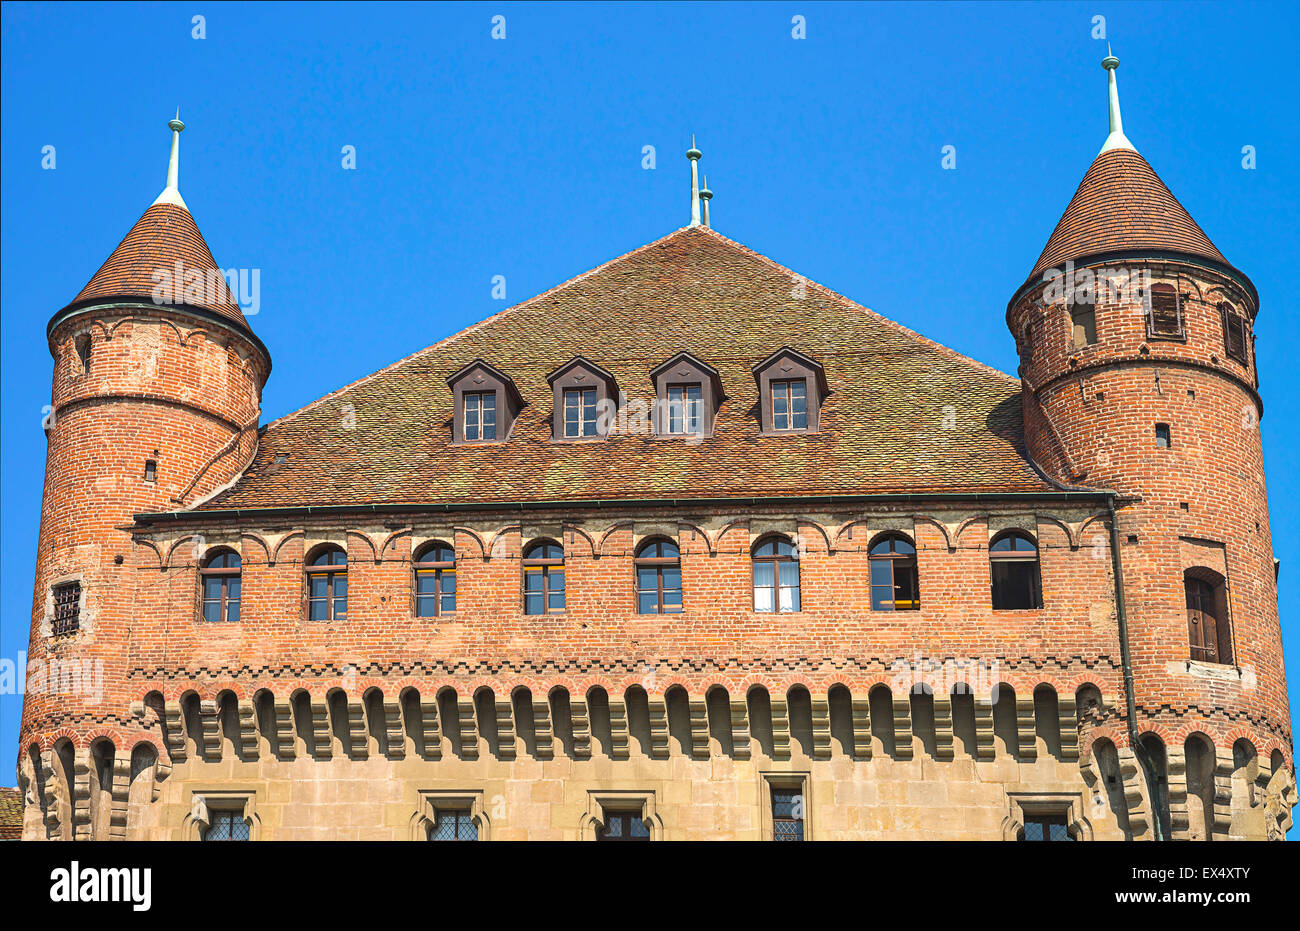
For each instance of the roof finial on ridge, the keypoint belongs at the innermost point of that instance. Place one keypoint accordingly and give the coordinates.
(695, 155)
(171, 194)
(705, 196)
(1116, 139)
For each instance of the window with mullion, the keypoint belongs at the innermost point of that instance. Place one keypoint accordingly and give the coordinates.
(894, 584)
(435, 581)
(220, 580)
(776, 577)
(544, 579)
(327, 586)
(658, 578)
(787, 814)
(684, 408)
(790, 405)
(579, 412)
(1046, 827)
(227, 824)
(480, 422)
(1013, 564)
(454, 824)
(624, 826)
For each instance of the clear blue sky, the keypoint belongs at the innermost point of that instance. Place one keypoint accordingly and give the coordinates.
(523, 158)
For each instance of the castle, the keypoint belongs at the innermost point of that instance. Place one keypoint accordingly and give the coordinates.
(687, 547)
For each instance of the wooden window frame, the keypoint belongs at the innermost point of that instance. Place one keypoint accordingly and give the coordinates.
(1017, 556)
(421, 567)
(480, 407)
(1230, 317)
(686, 371)
(777, 560)
(225, 574)
(332, 572)
(581, 423)
(892, 559)
(659, 564)
(1180, 299)
(687, 429)
(784, 389)
(789, 365)
(545, 566)
(1220, 651)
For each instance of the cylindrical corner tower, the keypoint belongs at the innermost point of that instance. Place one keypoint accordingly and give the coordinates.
(1138, 371)
(155, 404)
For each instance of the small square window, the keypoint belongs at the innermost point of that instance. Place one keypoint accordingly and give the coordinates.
(454, 824)
(227, 824)
(1163, 439)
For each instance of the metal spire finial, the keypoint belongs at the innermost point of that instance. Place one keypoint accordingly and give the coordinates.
(695, 155)
(171, 194)
(705, 196)
(1116, 139)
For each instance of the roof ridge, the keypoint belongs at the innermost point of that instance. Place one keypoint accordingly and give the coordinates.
(445, 341)
(829, 292)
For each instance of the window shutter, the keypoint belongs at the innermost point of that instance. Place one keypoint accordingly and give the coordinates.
(1166, 312)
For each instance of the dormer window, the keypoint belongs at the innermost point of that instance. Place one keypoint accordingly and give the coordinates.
(585, 398)
(791, 387)
(486, 403)
(687, 394)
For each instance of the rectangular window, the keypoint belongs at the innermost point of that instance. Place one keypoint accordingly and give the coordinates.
(1166, 317)
(684, 403)
(790, 405)
(1163, 438)
(481, 416)
(1083, 320)
(624, 825)
(1046, 827)
(67, 608)
(579, 412)
(227, 824)
(1016, 585)
(787, 814)
(454, 824)
(1234, 335)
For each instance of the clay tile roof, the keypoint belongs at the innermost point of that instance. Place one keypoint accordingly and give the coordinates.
(1122, 205)
(165, 234)
(11, 814)
(904, 414)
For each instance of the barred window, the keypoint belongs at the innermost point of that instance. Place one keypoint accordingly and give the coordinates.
(453, 824)
(219, 578)
(1234, 333)
(327, 585)
(435, 581)
(1164, 312)
(67, 608)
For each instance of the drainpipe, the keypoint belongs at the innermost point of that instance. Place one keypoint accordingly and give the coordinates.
(1126, 662)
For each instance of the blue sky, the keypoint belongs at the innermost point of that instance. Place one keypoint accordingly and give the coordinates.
(522, 157)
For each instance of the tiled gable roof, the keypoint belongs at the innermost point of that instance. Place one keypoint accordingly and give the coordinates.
(386, 439)
(164, 235)
(1122, 205)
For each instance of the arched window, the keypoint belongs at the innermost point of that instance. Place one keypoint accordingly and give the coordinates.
(435, 580)
(893, 574)
(1013, 565)
(776, 576)
(1207, 616)
(327, 585)
(544, 578)
(219, 579)
(658, 578)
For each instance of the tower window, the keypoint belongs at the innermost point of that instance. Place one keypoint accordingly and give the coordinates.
(544, 578)
(327, 585)
(454, 824)
(1207, 616)
(219, 579)
(776, 576)
(658, 578)
(82, 345)
(1083, 322)
(151, 470)
(624, 825)
(1163, 439)
(1164, 312)
(480, 415)
(67, 608)
(893, 574)
(435, 581)
(227, 824)
(1013, 564)
(1234, 333)
(1046, 827)
(787, 814)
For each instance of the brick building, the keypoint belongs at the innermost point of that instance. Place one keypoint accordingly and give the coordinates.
(686, 547)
